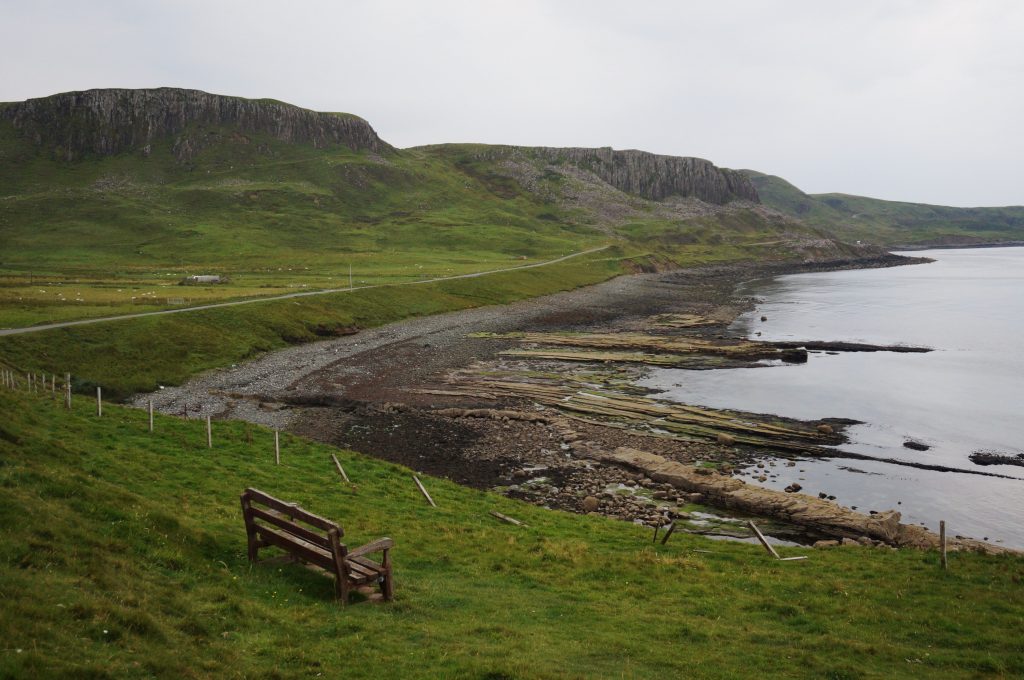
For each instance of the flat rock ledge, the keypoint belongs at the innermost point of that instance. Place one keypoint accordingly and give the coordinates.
(814, 513)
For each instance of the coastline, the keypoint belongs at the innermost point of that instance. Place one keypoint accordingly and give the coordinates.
(417, 392)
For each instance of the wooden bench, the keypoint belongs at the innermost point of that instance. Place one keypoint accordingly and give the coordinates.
(316, 541)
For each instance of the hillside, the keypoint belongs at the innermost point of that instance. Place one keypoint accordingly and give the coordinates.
(110, 197)
(890, 223)
(124, 555)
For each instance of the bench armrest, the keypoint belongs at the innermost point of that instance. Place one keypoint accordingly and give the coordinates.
(376, 546)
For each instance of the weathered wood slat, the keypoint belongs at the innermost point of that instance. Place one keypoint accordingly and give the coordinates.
(302, 549)
(376, 546)
(291, 527)
(366, 562)
(293, 510)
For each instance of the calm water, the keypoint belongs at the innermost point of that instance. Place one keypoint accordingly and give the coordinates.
(968, 395)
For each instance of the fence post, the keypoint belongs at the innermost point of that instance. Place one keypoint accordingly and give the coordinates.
(942, 541)
(99, 402)
(277, 446)
(150, 415)
(67, 390)
(209, 433)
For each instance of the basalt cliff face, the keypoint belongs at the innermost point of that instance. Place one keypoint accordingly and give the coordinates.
(652, 176)
(106, 122)
(657, 177)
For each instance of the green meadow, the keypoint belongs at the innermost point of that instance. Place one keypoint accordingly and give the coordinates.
(124, 555)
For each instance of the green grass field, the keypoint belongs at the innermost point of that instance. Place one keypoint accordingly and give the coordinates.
(891, 223)
(124, 556)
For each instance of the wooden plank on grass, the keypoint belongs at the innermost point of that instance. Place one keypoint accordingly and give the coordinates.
(424, 491)
(341, 470)
(506, 518)
(764, 541)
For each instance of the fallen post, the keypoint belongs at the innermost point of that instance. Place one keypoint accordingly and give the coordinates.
(424, 491)
(341, 470)
(768, 546)
(506, 518)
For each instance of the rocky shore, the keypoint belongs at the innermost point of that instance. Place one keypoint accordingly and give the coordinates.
(435, 394)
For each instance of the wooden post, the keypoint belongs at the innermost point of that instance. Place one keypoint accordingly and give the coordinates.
(656, 528)
(53, 384)
(942, 542)
(99, 402)
(424, 491)
(341, 470)
(150, 415)
(277, 446)
(672, 527)
(209, 433)
(67, 390)
(28, 382)
(768, 546)
(506, 518)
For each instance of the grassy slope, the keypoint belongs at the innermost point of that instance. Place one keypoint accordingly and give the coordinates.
(139, 354)
(124, 555)
(118, 232)
(891, 222)
(119, 224)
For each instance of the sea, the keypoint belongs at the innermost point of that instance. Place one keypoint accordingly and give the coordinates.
(965, 396)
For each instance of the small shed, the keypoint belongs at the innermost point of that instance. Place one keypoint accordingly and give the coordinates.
(203, 278)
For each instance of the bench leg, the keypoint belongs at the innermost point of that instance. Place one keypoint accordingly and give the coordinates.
(250, 529)
(341, 589)
(387, 586)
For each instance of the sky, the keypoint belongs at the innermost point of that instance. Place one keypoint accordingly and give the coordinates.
(916, 100)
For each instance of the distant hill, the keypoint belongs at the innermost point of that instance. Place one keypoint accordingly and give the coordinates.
(890, 223)
(182, 180)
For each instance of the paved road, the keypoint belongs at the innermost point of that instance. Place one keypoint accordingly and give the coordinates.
(81, 322)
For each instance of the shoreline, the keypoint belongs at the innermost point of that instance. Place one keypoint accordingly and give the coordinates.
(361, 391)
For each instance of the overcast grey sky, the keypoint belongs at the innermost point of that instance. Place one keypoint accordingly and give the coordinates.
(919, 100)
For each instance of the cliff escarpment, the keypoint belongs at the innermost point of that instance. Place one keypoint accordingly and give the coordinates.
(657, 177)
(105, 122)
(651, 176)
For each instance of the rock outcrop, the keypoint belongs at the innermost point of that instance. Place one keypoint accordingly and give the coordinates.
(814, 513)
(106, 122)
(652, 176)
(657, 177)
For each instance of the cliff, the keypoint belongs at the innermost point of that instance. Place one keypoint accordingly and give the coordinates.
(652, 176)
(105, 122)
(657, 177)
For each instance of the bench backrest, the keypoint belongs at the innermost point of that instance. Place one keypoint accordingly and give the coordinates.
(288, 526)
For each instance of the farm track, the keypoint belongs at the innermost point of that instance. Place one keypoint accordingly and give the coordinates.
(288, 296)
